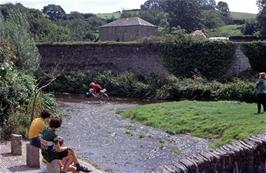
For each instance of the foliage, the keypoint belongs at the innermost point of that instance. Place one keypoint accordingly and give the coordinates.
(152, 5)
(230, 30)
(185, 13)
(175, 34)
(209, 59)
(221, 122)
(241, 15)
(82, 27)
(207, 4)
(40, 27)
(79, 30)
(223, 8)
(256, 52)
(109, 16)
(16, 88)
(212, 19)
(129, 13)
(261, 18)
(154, 86)
(249, 28)
(55, 12)
(225, 31)
(7, 51)
(124, 85)
(158, 18)
(15, 28)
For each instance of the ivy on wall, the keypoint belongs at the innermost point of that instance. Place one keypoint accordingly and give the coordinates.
(256, 52)
(210, 59)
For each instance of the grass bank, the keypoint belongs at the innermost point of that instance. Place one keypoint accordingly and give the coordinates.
(221, 122)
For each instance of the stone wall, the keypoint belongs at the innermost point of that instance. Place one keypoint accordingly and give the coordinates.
(241, 63)
(246, 156)
(120, 57)
(139, 59)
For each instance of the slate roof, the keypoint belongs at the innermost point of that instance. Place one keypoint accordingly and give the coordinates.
(132, 21)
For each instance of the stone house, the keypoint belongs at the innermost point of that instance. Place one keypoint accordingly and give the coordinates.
(127, 29)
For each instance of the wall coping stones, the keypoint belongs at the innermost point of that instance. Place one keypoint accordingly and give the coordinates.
(246, 156)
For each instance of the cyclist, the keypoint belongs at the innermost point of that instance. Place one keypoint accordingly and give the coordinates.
(96, 90)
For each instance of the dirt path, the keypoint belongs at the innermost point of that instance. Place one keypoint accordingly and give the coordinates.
(17, 164)
(118, 145)
(9, 163)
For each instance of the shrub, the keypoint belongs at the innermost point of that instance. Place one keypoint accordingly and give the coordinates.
(16, 88)
(15, 28)
(239, 90)
(210, 59)
(156, 87)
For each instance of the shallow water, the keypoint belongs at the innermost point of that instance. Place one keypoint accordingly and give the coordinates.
(116, 144)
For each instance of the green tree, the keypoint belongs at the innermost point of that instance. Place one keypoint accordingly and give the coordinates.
(151, 5)
(129, 13)
(212, 19)
(223, 8)
(75, 15)
(79, 30)
(249, 28)
(207, 4)
(16, 29)
(55, 12)
(261, 18)
(183, 13)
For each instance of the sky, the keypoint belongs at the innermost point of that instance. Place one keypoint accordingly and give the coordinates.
(106, 6)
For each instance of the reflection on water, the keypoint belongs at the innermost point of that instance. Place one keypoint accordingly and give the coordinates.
(78, 98)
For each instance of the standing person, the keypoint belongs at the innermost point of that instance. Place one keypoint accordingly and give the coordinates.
(36, 127)
(54, 151)
(261, 92)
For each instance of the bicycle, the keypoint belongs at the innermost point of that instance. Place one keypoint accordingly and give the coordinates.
(100, 95)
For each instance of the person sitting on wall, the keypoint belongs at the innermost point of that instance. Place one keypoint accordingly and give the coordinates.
(53, 149)
(36, 127)
(96, 90)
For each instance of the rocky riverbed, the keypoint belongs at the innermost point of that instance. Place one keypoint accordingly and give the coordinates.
(115, 144)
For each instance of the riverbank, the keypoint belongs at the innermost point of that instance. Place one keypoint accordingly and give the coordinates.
(116, 144)
(222, 121)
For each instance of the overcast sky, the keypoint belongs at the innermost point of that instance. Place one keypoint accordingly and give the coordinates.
(104, 6)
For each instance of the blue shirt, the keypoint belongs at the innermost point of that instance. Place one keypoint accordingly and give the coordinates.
(261, 86)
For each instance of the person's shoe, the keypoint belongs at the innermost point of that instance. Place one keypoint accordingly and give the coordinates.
(82, 168)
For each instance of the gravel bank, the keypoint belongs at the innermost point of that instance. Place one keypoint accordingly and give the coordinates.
(116, 144)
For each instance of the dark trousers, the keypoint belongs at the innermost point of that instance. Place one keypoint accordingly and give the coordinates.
(261, 100)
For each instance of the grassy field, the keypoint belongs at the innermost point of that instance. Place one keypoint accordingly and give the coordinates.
(221, 122)
(235, 15)
(239, 15)
(229, 30)
(114, 15)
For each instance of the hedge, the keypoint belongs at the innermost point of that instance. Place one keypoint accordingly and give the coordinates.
(256, 52)
(155, 87)
(210, 59)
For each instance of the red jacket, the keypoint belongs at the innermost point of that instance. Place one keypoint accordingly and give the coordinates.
(96, 87)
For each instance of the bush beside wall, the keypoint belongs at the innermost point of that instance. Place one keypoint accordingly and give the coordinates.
(155, 87)
(256, 52)
(210, 59)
